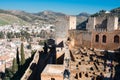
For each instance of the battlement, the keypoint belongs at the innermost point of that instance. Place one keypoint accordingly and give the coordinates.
(102, 23)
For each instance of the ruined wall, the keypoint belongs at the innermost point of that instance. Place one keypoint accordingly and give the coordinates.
(112, 23)
(91, 23)
(75, 37)
(61, 29)
(62, 26)
(99, 19)
(109, 45)
(101, 22)
(88, 39)
(107, 26)
(80, 38)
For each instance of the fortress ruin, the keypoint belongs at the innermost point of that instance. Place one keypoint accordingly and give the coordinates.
(101, 33)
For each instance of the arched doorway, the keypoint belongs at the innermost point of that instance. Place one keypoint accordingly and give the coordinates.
(116, 39)
(97, 38)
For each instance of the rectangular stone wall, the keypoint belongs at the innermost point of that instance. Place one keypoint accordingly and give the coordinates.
(86, 36)
(80, 38)
(99, 20)
(72, 22)
(91, 23)
(49, 76)
(61, 29)
(112, 23)
(109, 45)
(87, 39)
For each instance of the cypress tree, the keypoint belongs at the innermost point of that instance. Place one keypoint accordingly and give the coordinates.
(18, 59)
(14, 66)
(22, 54)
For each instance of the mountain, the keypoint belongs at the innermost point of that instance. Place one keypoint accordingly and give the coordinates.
(84, 14)
(23, 16)
(50, 16)
(18, 17)
(82, 19)
(46, 16)
(7, 18)
(51, 13)
(116, 11)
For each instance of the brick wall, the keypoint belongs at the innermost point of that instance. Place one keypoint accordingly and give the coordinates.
(87, 39)
(109, 45)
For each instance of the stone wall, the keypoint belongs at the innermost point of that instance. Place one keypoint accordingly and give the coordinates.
(101, 22)
(75, 37)
(91, 23)
(87, 39)
(99, 19)
(112, 23)
(62, 27)
(109, 45)
(72, 22)
(80, 38)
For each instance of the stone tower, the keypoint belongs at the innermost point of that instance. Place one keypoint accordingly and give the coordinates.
(112, 23)
(91, 23)
(72, 22)
(62, 26)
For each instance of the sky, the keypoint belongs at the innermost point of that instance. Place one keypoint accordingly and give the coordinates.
(71, 7)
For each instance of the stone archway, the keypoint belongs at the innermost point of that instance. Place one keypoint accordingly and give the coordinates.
(104, 38)
(116, 39)
(97, 38)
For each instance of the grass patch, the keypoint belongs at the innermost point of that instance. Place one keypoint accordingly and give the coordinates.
(2, 22)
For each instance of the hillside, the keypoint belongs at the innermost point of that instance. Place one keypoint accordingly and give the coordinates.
(113, 12)
(7, 18)
(22, 17)
(82, 17)
(50, 16)
(10, 19)
(116, 11)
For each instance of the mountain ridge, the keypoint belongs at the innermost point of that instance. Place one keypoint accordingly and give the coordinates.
(48, 16)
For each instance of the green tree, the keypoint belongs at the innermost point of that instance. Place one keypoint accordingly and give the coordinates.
(8, 74)
(102, 11)
(22, 54)
(25, 34)
(17, 35)
(14, 66)
(10, 35)
(1, 35)
(18, 59)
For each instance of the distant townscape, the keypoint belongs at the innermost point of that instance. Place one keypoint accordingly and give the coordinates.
(55, 46)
